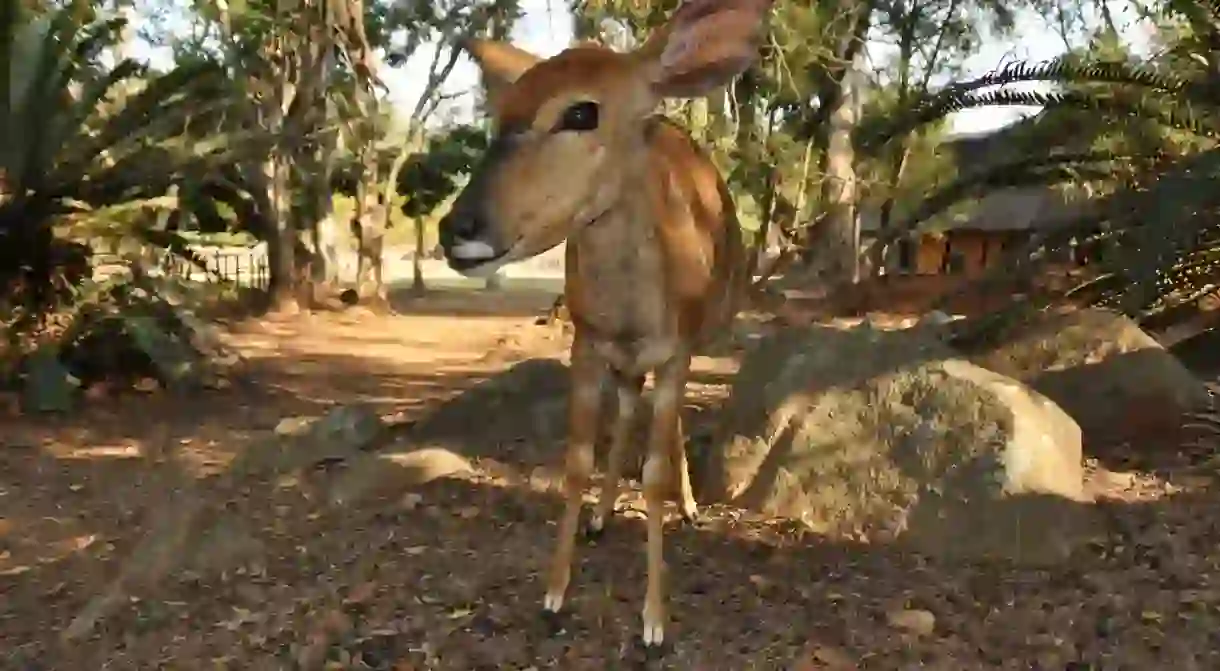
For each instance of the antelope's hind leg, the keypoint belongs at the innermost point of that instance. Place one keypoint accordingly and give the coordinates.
(681, 474)
(629, 389)
(588, 373)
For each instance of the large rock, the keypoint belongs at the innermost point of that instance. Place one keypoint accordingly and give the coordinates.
(1114, 379)
(395, 472)
(888, 436)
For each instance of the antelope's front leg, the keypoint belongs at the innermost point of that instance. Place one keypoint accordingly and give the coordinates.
(584, 408)
(670, 383)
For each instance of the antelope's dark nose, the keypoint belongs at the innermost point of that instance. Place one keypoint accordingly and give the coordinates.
(457, 227)
(467, 240)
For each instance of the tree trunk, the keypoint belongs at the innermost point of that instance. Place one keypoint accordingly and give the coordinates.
(326, 228)
(417, 264)
(326, 246)
(879, 253)
(390, 193)
(282, 241)
(364, 192)
(371, 250)
(766, 214)
(833, 243)
(907, 48)
(839, 241)
(745, 152)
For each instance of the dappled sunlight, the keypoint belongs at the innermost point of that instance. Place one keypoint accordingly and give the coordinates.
(35, 545)
(129, 451)
(1133, 487)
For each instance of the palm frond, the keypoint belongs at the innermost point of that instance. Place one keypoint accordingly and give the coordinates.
(1121, 109)
(1202, 15)
(1185, 195)
(963, 96)
(1144, 255)
(1067, 70)
(36, 94)
(161, 108)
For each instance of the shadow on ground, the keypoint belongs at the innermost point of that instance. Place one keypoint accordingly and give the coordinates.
(466, 302)
(451, 579)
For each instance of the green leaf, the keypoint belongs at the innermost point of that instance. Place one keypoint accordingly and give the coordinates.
(48, 384)
(172, 359)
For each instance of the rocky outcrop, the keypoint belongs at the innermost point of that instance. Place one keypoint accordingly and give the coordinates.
(1114, 379)
(891, 436)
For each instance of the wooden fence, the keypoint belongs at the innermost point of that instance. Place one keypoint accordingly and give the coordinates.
(243, 266)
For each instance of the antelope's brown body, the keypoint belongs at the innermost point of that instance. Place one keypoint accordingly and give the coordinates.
(674, 272)
(655, 264)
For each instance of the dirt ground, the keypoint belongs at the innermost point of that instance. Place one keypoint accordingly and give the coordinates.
(447, 575)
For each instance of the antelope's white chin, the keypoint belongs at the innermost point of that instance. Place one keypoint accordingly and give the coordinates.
(482, 270)
(477, 259)
(473, 251)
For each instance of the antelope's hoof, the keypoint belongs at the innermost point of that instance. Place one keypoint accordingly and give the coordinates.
(690, 516)
(553, 623)
(552, 617)
(652, 641)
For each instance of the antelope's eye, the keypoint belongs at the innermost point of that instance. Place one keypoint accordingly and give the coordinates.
(581, 116)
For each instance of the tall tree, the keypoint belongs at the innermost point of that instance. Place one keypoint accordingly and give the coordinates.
(288, 56)
(441, 26)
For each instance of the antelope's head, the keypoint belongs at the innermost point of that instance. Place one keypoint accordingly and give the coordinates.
(569, 130)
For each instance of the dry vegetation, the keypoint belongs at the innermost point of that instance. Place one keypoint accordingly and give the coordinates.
(128, 540)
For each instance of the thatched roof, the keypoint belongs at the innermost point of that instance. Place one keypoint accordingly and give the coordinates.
(1004, 210)
(1011, 209)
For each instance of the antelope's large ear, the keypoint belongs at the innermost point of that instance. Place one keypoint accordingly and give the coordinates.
(500, 63)
(705, 44)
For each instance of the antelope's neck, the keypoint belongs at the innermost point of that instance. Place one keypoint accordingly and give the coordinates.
(617, 286)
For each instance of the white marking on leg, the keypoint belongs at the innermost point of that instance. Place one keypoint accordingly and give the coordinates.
(654, 630)
(690, 509)
(597, 522)
(553, 603)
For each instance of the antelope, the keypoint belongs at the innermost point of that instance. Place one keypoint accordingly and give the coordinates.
(655, 262)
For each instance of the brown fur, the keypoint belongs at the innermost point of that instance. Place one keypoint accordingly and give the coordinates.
(655, 264)
(585, 64)
(699, 246)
